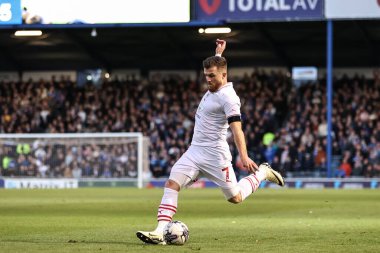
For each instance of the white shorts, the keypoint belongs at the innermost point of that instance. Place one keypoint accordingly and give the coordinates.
(212, 163)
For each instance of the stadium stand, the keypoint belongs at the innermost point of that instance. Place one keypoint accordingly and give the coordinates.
(164, 109)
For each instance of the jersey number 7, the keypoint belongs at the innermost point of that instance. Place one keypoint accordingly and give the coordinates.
(227, 174)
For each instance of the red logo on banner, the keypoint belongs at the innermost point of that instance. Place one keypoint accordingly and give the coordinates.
(211, 9)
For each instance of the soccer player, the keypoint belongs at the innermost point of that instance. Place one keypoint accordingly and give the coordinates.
(209, 154)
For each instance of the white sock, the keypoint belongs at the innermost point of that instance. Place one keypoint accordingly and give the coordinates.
(249, 185)
(261, 174)
(161, 226)
(167, 208)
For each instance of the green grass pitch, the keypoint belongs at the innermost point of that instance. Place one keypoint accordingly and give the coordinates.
(106, 220)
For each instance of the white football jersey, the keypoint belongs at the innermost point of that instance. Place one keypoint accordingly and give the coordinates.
(211, 118)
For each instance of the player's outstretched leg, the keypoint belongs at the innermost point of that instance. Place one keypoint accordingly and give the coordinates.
(271, 175)
(251, 183)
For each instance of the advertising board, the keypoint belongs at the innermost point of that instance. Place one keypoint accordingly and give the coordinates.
(85, 12)
(258, 10)
(10, 12)
(297, 183)
(350, 9)
(39, 183)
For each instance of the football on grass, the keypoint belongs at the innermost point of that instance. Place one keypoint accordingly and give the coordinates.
(176, 232)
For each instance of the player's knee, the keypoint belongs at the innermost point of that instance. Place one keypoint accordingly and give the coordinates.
(172, 185)
(236, 199)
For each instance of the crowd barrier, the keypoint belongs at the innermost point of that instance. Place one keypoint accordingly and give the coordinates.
(296, 183)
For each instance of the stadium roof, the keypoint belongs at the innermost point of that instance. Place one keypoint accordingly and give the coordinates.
(356, 43)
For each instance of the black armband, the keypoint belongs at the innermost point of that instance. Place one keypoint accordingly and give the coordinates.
(234, 118)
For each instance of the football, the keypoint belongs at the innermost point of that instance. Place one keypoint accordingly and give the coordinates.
(176, 232)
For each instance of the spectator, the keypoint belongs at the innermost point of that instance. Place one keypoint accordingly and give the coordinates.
(345, 167)
(296, 117)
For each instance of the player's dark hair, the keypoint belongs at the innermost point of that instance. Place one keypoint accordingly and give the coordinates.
(212, 61)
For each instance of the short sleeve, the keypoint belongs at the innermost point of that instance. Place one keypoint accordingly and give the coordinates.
(231, 105)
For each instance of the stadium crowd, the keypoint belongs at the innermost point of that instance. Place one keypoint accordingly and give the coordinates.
(284, 124)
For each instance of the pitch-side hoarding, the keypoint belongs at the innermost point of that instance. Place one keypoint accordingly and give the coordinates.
(39, 183)
(297, 183)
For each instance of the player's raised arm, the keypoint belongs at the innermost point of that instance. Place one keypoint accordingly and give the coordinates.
(220, 47)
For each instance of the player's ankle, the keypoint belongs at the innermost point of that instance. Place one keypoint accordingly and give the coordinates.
(161, 226)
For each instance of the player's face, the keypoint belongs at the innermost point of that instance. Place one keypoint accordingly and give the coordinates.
(214, 77)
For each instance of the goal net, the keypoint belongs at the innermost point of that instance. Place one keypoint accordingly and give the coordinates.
(79, 155)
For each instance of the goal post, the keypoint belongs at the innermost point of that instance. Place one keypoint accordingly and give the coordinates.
(75, 155)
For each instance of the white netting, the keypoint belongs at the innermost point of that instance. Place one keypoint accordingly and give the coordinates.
(103, 155)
